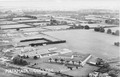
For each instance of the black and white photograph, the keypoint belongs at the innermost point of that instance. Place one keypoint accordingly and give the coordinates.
(59, 38)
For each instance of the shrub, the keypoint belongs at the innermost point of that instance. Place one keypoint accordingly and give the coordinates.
(117, 43)
(113, 33)
(117, 32)
(109, 31)
(99, 61)
(103, 70)
(18, 60)
(102, 29)
(96, 29)
(112, 73)
(35, 57)
(87, 27)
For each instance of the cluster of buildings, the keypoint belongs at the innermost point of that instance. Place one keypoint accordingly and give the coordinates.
(97, 74)
(73, 59)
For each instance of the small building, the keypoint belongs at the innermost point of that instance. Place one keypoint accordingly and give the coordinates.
(97, 74)
(94, 74)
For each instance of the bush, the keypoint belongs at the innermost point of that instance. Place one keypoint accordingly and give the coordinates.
(87, 27)
(99, 29)
(96, 29)
(117, 32)
(117, 43)
(35, 57)
(103, 70)
(113, 33)
(109, 31)
(99, 61)
(18, 60)
(112, 73)
(102, 29)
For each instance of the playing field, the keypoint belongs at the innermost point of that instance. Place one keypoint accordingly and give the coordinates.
(89, 41)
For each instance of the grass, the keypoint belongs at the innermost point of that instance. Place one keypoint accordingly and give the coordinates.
(89, 41)
(81, 71)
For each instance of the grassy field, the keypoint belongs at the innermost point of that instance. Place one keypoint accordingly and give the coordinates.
(82, 71)
(89, 41)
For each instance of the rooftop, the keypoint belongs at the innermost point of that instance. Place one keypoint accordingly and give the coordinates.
(14, 26)
(72, 56)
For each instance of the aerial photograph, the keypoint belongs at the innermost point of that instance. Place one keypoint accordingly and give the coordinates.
(59, 38)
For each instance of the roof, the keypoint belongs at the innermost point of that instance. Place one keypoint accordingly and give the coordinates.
(33, 20)
(68, 56)
(14, 26)
(22, 18)
(48, 53)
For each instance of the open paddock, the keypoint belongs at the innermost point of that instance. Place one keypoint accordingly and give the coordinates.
(89, 41)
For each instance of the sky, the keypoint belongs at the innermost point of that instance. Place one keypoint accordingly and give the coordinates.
(60, 4)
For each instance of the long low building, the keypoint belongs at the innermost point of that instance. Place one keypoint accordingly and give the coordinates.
(72, 59)
(36, 40)
(21, 18)
(32, 21)
(14, 26)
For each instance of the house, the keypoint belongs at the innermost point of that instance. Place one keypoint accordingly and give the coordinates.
(94, 74)
(97, 74)
(104, 75)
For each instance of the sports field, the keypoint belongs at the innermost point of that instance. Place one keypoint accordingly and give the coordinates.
(89, 41)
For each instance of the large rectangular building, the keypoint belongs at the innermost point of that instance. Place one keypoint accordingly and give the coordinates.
(14, 26)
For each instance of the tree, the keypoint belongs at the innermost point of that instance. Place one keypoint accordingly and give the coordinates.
(79, 62)
(117, 32)
(76, 67)
(35, 57)
(99, 61)
(73, 62)
(56, 60)
(18, 60)
(50, 59)
(113, 33)
(106, 65)
(109, 31)
(27, 56)
(112, 73)
(102, 29)
(103, 70)
(117, 43)
(87, 27)
(15, 60)
(96, 29)
(17, 29)
(67, 62)
(70, 68)
(61, 60)
(24, 62)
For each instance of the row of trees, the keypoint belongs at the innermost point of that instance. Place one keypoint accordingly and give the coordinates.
(66, 62)
(112, 21)
(26, 57)
(80, 27)
(62, 61)
(109, 31)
